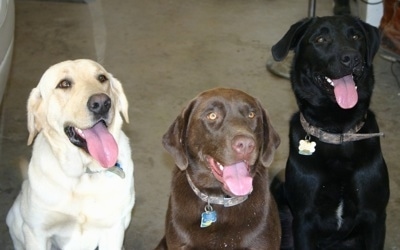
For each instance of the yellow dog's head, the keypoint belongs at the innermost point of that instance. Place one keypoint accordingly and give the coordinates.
(80, 102)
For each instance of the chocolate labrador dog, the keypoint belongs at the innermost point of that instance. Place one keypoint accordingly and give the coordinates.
(222, 144)
(336, 180)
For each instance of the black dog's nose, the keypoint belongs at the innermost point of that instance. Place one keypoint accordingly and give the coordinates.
(99, 104)
(350, 58)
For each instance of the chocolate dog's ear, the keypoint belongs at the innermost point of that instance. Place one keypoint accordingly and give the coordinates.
(271, 140)
(290, 40)
(372, 39)
(174, 140)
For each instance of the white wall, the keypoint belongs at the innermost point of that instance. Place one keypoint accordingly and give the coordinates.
(371, 14)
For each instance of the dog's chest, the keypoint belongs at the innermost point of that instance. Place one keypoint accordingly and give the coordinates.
(92, 213)
(336, 204)
(91, 204)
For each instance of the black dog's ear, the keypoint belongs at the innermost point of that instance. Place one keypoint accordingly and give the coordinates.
(174, 140)
(290, 39)
(271, 140)
(372, 39)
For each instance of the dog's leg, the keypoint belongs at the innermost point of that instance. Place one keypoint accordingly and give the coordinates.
(34, 241)
(162, 245)
(112, 239)
(302, 234)
(285, 215)
(15, 222)
(375, 234)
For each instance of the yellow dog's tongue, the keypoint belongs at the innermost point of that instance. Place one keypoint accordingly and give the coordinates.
(101, 145)
(237, 179)
(345, 92)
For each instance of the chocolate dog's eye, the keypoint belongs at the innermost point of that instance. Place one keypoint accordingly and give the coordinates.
(212, 116)
(102, 78)
(252, 115)
(64, 84)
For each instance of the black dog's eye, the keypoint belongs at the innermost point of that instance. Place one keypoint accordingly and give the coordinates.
(64, 84)
(102, 78)
(320, 39)
(355, 37)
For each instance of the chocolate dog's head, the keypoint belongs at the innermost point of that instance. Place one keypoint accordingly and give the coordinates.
(333, 53)
(222, 135)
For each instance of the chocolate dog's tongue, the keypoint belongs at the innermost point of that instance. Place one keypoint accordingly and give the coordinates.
(237, 179)
(345, 92)
(101, 145)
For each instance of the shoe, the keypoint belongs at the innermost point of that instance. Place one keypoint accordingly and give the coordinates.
(390, 37)
(388, 9)
(281, 68)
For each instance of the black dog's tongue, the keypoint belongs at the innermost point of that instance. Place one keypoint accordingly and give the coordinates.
(101, 145)
(345, 92)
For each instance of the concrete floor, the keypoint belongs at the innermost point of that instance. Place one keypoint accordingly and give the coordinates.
(165, 52)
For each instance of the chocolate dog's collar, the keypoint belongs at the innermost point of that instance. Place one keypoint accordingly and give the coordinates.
(219, 200)
(331, 138)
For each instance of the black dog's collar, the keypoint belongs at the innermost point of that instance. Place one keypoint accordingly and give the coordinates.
(331, 138)
(219, 200)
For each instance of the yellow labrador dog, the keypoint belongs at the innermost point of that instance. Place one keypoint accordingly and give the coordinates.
(79, 192)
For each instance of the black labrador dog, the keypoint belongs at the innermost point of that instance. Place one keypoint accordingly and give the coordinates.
(336, 180)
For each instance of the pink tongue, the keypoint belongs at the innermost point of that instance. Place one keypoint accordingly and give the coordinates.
(345, 92)
(101, 145)
(237, 179)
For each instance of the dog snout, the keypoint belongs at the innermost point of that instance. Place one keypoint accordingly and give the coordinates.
(243, 145)
(350, 58)
(99, 104)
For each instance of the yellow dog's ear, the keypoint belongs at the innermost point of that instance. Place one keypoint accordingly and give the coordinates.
(34, 101)
(122, 102)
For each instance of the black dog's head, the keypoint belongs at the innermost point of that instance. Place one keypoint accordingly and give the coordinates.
(333, 60)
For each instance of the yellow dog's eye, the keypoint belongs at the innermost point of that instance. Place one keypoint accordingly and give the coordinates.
(252, 115)
(212, 116)
(64, 84)
(102, 78)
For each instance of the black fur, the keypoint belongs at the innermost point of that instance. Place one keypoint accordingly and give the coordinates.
(353, 173)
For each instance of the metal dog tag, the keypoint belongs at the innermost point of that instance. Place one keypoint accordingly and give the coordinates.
(306, 147)
(208, 217)
(117, 170)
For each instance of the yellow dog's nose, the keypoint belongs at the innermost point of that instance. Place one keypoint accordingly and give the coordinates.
(99, 104)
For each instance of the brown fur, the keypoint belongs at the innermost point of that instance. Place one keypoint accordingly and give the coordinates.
(191, 139)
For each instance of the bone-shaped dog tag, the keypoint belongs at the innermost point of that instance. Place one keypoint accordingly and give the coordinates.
(306, 147)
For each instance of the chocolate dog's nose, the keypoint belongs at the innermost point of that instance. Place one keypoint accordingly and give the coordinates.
(243, 144)
(350, 58)
(99, 104)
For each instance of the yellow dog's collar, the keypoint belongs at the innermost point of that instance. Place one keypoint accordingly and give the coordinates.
(117, 169)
